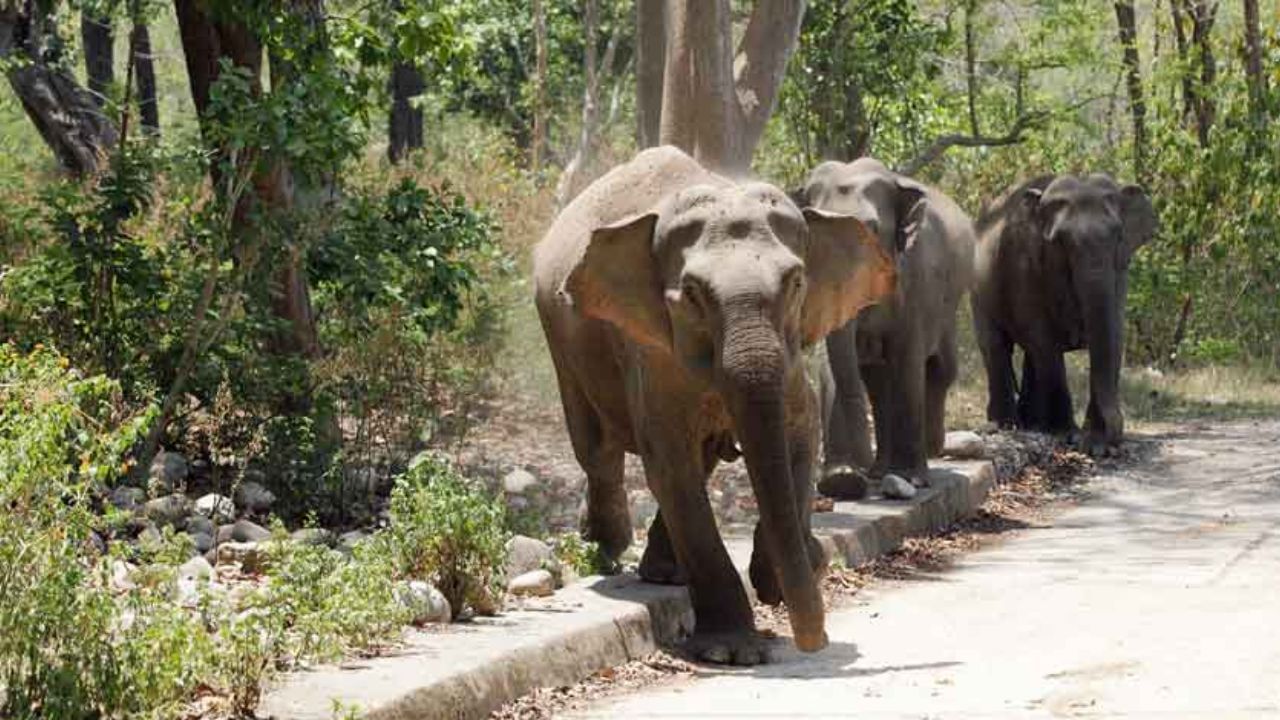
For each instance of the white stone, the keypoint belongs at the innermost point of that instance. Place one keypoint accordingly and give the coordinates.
(897, 488)
(425, 602)
(196, 567)
(167, 510)
(518, 481)
(250, 555)
(964, 445)
(218, 508)
(537, 583)
(526, 554)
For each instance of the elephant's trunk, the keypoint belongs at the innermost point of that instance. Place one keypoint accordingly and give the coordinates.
(753, 370)
(1103, 321)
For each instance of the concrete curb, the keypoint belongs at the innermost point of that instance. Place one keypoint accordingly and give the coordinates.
(468, 671)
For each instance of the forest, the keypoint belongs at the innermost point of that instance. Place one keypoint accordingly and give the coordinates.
(274, 255)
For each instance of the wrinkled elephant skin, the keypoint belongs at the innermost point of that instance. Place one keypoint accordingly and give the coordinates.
(1052, 277)
(677, 305)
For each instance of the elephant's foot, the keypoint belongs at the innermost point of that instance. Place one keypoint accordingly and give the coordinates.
(732, 647)
(843, 482)
(659, 566)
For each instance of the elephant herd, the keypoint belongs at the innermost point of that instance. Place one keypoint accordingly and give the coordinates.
(680, 308)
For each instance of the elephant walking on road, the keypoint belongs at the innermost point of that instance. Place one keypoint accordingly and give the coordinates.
(676, 305)
(903, 350)
(1052, 277)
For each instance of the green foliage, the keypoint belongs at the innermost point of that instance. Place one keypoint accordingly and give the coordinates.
(446, 530)
(583, 556)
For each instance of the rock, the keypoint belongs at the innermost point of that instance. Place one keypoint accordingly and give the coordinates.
(203, 541)
(168, 472)
(823, 505)
(167, 510)
(644, 507)
(897, 488)
(196, 567)
(127, 497)
(526, 554)
(427, 604)
(225, 533)
(121, 573)
(964, 445)
(252, 497)
(95, 544)
(150, 538)
(486, 603)
(250, 555)
(537, 583)
(518, 482)
(218, 508)
(312, 536)
(200, 524)
(245, 531)
(347, 541)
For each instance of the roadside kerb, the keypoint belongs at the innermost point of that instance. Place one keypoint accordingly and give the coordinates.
(469, 670)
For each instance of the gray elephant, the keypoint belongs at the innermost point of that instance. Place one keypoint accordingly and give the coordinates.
(676, 304)
(902, 352)
(1052, 277)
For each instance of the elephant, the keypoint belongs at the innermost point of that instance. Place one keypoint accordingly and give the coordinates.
(1052, 276)
(677, 305)
(902, 351)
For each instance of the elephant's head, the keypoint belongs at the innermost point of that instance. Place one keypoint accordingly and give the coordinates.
(890, 204)
(733, 281)
(1088, 229)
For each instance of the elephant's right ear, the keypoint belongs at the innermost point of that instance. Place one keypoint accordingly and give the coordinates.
(616, 280)
(847, 270)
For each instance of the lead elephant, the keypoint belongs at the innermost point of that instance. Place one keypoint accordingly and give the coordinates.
(1052, 277)
(676, 304)
(903, 350)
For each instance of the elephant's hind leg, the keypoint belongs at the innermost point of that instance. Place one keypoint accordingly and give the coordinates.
(608, 520)
(940, 372)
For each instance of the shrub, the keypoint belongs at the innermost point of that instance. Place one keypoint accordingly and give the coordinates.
(449, 532)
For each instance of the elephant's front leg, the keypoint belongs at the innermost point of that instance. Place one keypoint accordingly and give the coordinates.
(724, 630)
(906, 408)
(847, 439)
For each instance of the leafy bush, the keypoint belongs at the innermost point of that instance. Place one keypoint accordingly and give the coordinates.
(449, 532)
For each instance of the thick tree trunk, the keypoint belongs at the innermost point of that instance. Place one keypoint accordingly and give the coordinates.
(98, 37)
(1203, 15)
(64, 113)
(144, 71)
(651, 51)
(714, 105)
(580, 169)
(404, 130)
(1180, 42)
(1253, 65)
(1133, 70)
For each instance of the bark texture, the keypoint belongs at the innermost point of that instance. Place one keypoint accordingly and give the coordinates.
(1253, 65)
(404, 131)
(1133, 77)
(144, 72)
(98, 38)
(651, 51)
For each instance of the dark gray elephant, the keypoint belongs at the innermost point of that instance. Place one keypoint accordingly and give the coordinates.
(902, 350)
(1052, 276)
(677, 304)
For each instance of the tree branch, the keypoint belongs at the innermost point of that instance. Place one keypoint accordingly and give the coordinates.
(938, 147)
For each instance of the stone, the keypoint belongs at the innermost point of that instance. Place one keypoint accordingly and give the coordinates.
(312, 536)
(252, 497)
(425, 602)
(202, 541)
(150, 538)
(897, 488)
(200, 524)
(217, 507)
(121, 576)
(167, 510)
(225, 533)
(348, 540)
(250, 555)
(518, 482)
(245, 531)
(168, 472)
(127, 497)
(644, 507)
(964, 445)
(538, 583)
(196, 567)
(526, 554)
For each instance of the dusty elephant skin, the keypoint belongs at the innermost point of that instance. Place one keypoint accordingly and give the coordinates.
(903, 350)
(1052, 276)
(676, 304)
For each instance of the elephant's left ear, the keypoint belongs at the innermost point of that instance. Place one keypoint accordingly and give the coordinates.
(1138, 216)
(846, 269)
(616, 281)
(912, 202)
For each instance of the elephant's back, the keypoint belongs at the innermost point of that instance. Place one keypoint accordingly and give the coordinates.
(633, 188)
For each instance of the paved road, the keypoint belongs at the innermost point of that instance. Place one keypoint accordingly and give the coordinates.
(1159, 597)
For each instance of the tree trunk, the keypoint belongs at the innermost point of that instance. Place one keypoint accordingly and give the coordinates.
(1133, 70)
(1180, 41)
(1253, 66)
(1203, 15)
(580, 169)
(971, 64)
(715, 106)
(404, 131)
(98, 37)
(651, 50)
(144, 71)
(64, 113)
(539, 85)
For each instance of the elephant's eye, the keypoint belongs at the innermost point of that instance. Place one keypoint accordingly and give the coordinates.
(793, 284)
(692, 293)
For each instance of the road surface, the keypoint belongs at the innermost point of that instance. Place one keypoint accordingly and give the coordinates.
(1157, 597)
